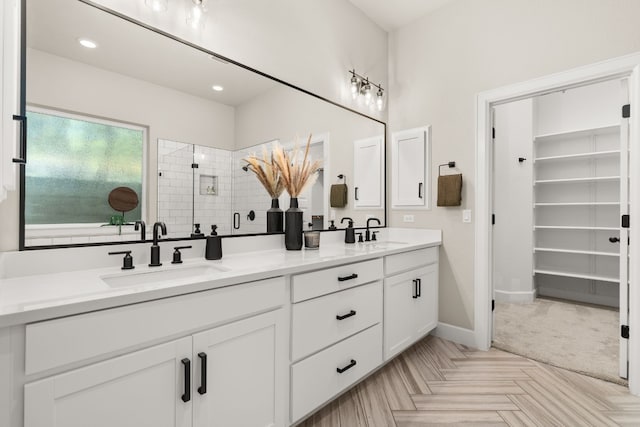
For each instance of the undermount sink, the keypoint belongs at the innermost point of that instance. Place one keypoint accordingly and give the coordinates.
(147, 277)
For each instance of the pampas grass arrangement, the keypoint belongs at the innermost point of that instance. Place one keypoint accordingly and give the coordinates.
(267, 173)
(297, 174)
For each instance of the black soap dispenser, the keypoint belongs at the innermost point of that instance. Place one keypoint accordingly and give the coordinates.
(213, 249)
(349, 232)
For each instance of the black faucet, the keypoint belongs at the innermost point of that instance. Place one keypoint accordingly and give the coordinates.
(155, 249)
(367, 234)
(140, 225)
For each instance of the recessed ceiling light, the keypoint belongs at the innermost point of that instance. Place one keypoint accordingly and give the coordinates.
(217, 88)
(88, 43)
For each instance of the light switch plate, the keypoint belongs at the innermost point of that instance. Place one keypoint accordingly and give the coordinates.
(466, 215)
(408, 218)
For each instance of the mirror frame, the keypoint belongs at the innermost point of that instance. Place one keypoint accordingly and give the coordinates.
(23, 134)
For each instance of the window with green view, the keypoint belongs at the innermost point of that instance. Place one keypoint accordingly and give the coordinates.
(74, 163)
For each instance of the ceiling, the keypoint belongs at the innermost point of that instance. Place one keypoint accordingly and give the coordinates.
(55, 27)
(393, 14)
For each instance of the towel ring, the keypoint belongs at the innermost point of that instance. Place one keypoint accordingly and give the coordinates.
(344, 177)
(450, 164)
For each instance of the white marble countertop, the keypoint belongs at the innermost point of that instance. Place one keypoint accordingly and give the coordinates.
(46, 294)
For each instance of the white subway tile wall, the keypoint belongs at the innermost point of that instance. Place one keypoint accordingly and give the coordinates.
(180, 202)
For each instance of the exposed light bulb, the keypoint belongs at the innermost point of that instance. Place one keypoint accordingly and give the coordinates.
(354, 86)
(196, 14)
(366, 91)
(380, 99)
(157, 5)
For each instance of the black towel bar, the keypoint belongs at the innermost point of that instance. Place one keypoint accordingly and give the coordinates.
(450, 164)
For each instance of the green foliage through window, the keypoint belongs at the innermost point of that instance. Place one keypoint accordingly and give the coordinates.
(72, 166)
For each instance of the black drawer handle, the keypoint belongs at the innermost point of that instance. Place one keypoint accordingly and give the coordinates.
(187, 380)
(420, 190)
(353, 276)
(346, 368)
(344, 316)
(419, 293)
(203, 373)
(415, 288)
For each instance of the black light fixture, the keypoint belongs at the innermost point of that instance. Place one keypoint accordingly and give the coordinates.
(360, 85)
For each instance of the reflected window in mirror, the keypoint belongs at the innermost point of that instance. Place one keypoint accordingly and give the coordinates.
(75, 164)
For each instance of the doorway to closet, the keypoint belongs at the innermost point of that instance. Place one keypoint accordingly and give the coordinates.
(560, 255)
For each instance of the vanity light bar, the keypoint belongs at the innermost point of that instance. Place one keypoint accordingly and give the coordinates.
(360, 85)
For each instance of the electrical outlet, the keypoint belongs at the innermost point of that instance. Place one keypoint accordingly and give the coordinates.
(408, 218)
(466, 215)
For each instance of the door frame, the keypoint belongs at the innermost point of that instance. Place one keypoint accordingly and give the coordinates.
(626, 66)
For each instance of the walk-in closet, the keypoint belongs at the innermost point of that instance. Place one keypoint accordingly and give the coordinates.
(560, 196)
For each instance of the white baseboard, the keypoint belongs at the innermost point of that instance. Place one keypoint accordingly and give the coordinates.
(456, 334)
(580, 297)
(523, 297)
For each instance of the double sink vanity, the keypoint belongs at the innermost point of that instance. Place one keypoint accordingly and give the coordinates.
(262, 337)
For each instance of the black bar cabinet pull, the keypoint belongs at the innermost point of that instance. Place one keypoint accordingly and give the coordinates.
(356, 193)
(346, 368)
(420, 190)
(187, 380)
(344, 316)
(353, 276)
(419, 287)
(203, 373)
(23, 139)
(415, 288)
(236, 220)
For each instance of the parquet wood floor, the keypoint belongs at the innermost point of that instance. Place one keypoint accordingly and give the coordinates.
(437, 382)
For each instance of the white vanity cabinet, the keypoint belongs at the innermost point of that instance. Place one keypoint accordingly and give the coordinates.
(228, 375)
(243, 378)
(410, 298)
(336, 331)
(142, 388)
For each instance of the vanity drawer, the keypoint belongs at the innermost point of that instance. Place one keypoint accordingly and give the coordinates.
(55, 343)
(310, 285)
(316, 379)
(315, 323)
(410, 260)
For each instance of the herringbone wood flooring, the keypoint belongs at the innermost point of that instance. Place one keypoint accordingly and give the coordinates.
(437, 382)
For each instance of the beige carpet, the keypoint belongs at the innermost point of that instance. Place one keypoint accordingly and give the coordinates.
(577, 337)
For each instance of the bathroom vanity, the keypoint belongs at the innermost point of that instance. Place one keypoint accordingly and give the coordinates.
(256, 339)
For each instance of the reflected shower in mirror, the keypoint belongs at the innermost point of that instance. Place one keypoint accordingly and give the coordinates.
(188, 168)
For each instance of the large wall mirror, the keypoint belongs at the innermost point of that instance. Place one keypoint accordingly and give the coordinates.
(137, 128)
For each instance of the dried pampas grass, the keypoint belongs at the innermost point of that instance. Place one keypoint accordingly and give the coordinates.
(267, 173)
(296, 175)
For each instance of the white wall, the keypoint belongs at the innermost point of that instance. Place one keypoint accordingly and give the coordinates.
(441, 61)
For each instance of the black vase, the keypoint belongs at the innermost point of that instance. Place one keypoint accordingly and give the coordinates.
(293, 226)
(275, 218)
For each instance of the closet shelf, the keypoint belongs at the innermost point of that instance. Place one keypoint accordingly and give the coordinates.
(599, 130)
(577, 275)
(579, 155)
(578, 252)
(585, 179)
(579, 204)
(573, 227)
